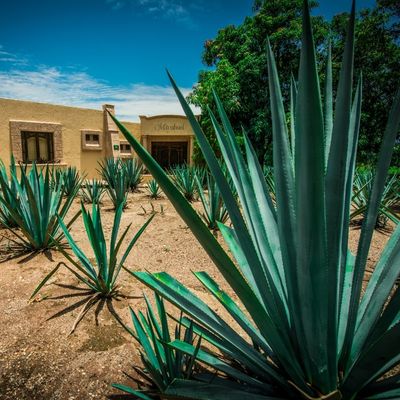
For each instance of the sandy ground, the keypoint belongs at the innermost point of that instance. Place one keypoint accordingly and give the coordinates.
(38, 360)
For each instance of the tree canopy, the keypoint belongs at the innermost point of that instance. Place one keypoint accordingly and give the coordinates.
(237, 68)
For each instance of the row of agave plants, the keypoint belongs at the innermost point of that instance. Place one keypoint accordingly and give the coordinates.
(389, 207)
(305, 328)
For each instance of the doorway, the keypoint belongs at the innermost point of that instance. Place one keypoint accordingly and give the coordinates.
(170, 154)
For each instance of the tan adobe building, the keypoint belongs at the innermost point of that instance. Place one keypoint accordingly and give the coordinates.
(71, 136)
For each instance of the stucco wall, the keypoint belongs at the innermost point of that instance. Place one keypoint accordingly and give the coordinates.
(72, 120)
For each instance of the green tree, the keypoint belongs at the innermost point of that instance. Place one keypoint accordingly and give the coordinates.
(239, 74)
(377, 56)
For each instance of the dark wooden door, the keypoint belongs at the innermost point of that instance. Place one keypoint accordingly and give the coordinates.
(170, 154)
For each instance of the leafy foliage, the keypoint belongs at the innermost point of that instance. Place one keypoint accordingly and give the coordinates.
(36, 206)
(312, 334)
(163, 362)
(239, 69)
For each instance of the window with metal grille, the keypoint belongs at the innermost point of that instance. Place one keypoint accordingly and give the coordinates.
(37, 147)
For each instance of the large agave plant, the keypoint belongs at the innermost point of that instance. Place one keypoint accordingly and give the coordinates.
(304, 329)
(36, 205)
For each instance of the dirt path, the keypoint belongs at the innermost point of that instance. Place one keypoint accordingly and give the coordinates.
(37, 358)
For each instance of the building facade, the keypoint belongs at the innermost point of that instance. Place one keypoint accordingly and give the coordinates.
(71, 136)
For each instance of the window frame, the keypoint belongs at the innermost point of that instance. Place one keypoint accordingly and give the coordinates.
(87, 140)
(49, 136)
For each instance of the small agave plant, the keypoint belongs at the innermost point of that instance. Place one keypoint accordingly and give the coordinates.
(6, 219)
(362, 186)
(72, 180)
(117, 181)
(35, 205)
(214, 210)
(162, 363)
(134, 170)
(100, 275)
(184, 179)
(92, 191)
(305, 328)
(154, 189)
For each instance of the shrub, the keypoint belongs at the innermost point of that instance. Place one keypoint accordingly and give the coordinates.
(34, 204)
(92, 191)
(307, 330)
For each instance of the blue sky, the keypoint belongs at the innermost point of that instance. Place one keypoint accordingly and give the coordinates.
(88, 52)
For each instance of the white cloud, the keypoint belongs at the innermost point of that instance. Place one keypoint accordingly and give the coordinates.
(176, 10)
(10, 58)
(52, 85)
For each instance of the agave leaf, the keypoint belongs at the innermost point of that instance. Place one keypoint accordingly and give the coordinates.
(177, 294)
(293, 100)
(46, 278)
(252, 235)
(379, 357)
(384, 159)
(215, 362)
(311, 238)
(328, 104)
(378, 290)
(233, 310)
(127, 389)
(337, 167)
(204, 391)
(351, 162)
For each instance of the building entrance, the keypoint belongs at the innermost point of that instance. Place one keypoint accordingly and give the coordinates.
(170, 154)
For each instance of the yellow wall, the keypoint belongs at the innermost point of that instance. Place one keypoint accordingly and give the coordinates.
(73, 120)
